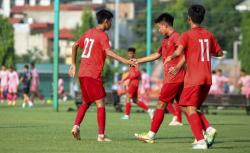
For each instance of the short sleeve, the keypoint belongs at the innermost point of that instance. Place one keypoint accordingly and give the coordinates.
(80, 42)
(160, 50)
(183, 40)
(105, 42)
(215, 47)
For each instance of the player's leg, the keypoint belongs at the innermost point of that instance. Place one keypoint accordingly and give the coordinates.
(128, 106)
(2, 94)
(210, 132)
(101, 120)
(143, 106)
(155, 124)
(190, 100)
(178, 112)
(9, 96)
(86, 102)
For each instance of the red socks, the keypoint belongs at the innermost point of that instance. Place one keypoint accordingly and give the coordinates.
(81, 113)
(170, 109)
(204, 121)
(196, 126)
(157, 120)
(127, 108)
(178, 112)
(142, 105)
(101, 119)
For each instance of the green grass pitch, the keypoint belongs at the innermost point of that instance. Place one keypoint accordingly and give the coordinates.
(40, 130)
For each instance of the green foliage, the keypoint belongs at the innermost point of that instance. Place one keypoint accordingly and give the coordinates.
(32, 55)
(7, 53)
(223, 20)
(244, 50)
(87, 22)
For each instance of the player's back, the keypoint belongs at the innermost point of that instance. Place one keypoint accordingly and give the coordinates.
(199, 44)
(93, 42)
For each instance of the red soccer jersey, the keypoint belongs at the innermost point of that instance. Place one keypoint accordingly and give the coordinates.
(134, 75)
(198, 45)
(94, 42)
(168, 46)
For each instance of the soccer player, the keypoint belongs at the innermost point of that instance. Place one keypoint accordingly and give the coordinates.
(13, 83)
(35, 83)
(96, 46)
(173, 74)
(132, 90)
(26, 79)
(198, 44)
(4, 82)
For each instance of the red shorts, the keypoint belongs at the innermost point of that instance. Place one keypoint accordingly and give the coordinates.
(92, 89)
(132, 91)
(171, 91)
(194, 96)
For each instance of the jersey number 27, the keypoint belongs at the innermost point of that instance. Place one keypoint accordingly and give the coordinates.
(88, 44)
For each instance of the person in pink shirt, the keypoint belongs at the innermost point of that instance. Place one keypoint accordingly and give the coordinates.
(13, 82)
(244, 82)
(220, 80)
(145, 86)
(60, 88)
(35, 83)
(3, 83)
(213, 88)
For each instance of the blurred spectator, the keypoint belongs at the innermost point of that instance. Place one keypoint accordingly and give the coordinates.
(145, 87)
(35, 83)
(13, 82)
(3, 83)
(244, 82)
(26, 80)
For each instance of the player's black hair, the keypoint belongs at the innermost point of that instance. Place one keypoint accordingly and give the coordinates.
(166, 17)
(12, 67)
(196, 13)
(26, 66)
(144, 70)
(131, 49)
(213, 72)
(102, 15)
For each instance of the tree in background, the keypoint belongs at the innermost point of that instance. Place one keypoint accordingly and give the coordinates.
(7, 53)
(245, 48)
(224, 21)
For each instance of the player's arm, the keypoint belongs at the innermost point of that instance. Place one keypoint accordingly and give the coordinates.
(177, 53)
(219, 54)
(72, 69)
(175, 69)
(149, 58)
(113, 55)
(123, 80)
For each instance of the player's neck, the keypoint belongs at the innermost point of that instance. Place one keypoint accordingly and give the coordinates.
(100, 27)
(193, 25)
(171, 30)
